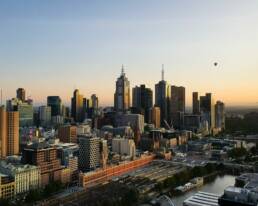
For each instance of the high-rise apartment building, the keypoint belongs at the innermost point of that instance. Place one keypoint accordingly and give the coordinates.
(196, 103)
(9, 132)
(207, 108)
(20, 94)
(220, 115)
(89, 152)
(143, 100)
(177, 108)
(162, 99)
(122, 93)
(77, 106)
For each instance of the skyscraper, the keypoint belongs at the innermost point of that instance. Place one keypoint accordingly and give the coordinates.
(20, 94)
(143, 100)
(95, 101)
(3, 132)
(25, 110)
(162, 99)
(207, 108)
(220, 115)
(9, 132)
(45, 116)
(177, 108)
(55, 103)
(155, 116)
(196, 103)
(77, 106)
(122, 93)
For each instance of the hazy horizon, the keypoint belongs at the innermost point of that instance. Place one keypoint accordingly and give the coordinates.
(52, 47)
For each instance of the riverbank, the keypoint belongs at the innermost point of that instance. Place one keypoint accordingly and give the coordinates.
(215, 185)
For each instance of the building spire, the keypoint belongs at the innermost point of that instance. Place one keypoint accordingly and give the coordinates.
(122, 71)
(162, 73)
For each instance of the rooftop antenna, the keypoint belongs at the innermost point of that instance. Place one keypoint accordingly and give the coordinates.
(123, 70)
(162, 72)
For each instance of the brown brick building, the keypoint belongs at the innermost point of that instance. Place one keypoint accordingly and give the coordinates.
(67, 134)
(44, 156)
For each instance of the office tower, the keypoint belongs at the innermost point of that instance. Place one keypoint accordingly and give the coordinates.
(143, 100)
(89, 152)
(9, 132)
(67, 134)
(44, 156)
(55, 103)
(135, 121)
(220, 115)
(20, 94)
(207, 109)
(77, 106)
(45, 116)
(196, 103)
(85, 108)
(122, 93)
(162, 99)
(91, 106)
(95, 101)
(155, 116)
(25, 110)
(177, 108)
(192, 122)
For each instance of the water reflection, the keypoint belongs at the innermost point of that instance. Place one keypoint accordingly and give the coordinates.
(216, 186)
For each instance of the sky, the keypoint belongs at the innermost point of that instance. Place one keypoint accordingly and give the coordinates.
(51, 47)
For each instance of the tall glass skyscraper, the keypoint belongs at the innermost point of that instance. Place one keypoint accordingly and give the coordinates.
(162, 99)
(55, 103)
(77, 106)
(122, 93)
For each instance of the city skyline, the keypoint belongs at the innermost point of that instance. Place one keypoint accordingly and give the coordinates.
(49, 49)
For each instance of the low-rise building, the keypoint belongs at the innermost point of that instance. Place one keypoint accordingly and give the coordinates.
(26, 177)
(7, 187)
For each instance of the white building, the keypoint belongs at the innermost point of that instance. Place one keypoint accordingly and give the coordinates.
(26, 177)
(83, 129)
(123, 146)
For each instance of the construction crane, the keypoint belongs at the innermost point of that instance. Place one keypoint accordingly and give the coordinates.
(168, 126)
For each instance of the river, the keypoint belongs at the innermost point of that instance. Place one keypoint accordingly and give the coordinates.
(216, 186)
